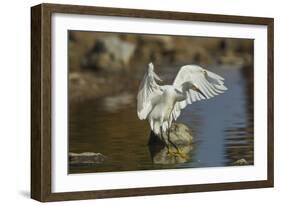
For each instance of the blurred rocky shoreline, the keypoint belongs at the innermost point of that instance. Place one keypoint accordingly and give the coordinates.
(102, 64)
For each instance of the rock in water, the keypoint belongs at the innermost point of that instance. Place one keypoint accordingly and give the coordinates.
(162, 157)
(86, 158)
(241, 162)
(180, 134)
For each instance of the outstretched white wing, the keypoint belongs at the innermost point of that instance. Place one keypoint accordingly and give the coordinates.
(198, 84)
(149, 92)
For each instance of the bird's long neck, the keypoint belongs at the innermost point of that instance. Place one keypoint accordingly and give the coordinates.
(180, 96)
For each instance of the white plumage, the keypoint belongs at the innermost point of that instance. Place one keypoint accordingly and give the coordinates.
(161, 104)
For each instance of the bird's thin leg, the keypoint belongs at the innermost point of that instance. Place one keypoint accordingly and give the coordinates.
(169, 152)
(172, 143)
(161, 134)
(169, 139)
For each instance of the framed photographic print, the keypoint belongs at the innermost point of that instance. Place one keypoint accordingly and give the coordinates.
(132, 102)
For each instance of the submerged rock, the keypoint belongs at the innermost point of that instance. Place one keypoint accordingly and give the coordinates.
(86, 158)
(241, 162)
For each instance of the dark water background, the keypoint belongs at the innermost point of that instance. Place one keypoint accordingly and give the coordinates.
(222, 127)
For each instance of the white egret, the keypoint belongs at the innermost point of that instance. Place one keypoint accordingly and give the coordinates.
(161, 104)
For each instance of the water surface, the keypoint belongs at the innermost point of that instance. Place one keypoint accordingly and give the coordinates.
(222, 127)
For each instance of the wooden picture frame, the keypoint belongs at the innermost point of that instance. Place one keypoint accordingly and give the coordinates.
(41, 116)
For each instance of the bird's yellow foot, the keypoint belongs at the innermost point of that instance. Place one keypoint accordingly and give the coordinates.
(170, 152)
(181, 154)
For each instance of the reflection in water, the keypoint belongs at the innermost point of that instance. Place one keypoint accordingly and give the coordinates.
(241, 137)
(222, 128)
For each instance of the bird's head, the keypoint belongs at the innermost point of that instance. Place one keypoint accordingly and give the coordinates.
(180, 95)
